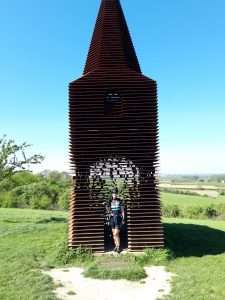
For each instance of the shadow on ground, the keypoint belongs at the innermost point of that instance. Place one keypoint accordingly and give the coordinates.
(194, 240)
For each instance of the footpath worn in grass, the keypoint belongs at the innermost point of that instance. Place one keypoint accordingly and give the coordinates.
(29, 243)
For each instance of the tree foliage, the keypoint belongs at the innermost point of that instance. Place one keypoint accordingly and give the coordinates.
(37, 191)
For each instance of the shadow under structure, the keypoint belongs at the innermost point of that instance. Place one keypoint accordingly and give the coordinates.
(113, 117)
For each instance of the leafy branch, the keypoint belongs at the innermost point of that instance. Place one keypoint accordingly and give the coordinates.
(13, 157)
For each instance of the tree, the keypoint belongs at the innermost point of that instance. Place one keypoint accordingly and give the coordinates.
(13, 158)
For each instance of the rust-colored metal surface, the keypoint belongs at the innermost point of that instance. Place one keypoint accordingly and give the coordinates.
(114, 136)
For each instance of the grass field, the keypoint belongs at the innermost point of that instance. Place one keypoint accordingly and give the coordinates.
(29, 241)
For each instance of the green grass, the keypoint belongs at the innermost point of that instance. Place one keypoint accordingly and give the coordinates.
(200, 263)
(29, 243)
(116, 270)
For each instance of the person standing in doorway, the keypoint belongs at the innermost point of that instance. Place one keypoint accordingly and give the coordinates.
(117, 219)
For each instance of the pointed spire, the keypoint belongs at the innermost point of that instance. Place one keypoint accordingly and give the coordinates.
(111, 45)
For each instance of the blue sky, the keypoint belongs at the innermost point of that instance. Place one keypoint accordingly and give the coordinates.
(181, 44)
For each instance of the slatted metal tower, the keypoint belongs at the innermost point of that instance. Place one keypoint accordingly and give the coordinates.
(114, 132)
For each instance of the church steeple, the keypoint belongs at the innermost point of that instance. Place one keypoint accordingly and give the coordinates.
(111, 45)
(113, 113)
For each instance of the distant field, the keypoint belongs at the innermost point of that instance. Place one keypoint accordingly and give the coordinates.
(189, 200)
(191, 186)
(194, 185)
(212, 189)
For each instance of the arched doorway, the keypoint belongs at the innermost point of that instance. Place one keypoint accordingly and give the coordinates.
(105, 175)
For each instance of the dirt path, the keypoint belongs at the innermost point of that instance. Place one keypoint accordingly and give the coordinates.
(72, 285)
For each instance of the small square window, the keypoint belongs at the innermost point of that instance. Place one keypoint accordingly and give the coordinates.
(113, 104)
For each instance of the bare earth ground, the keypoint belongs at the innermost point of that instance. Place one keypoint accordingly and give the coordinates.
(72, 285)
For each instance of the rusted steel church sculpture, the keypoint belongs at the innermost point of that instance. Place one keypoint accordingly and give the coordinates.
(114, 135)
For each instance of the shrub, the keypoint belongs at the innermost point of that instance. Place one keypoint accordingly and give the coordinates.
(18, 179)
(66, 255)
(193, 212)
(154, 257)
(26, 190)
(42, 202)
(63, 202)
(7, 200)
(38, 195)
(197, 212)
(171, 211)
(211, 211)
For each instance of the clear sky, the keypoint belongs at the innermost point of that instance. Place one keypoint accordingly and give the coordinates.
(179, 43)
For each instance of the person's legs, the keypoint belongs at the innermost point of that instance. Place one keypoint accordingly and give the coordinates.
(113, 233)
(117, 237)
(112, 224)
(118, 221)
(115, 224)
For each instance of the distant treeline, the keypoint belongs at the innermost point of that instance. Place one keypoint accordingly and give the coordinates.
(220, 178)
